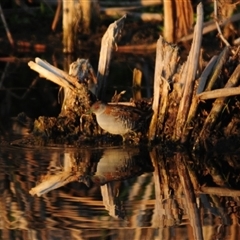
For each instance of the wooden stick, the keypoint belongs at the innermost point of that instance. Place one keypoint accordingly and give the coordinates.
(189, 77)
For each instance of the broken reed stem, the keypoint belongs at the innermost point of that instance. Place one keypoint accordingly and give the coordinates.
(189, 75)
(218, 106)
(219, 93)
(57, 15)
(219, 191)
(49, 75)
(165, 67)
(156, 88)
(109, 41)
(218, 68)
(170, 54)
(54, 74)
(205, 74)
(71, 80)
(137, 82)
(194, 106)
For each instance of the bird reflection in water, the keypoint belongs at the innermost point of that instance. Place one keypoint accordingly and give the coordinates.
(104, 167)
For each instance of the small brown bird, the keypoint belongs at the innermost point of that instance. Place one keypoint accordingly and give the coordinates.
(119, 119)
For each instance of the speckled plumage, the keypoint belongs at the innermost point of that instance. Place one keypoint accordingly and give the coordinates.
(118, 119)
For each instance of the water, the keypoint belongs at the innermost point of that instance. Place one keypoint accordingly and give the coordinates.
(120, 201)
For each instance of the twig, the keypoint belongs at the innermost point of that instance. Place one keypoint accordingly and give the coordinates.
(57, 15)
(217, 24)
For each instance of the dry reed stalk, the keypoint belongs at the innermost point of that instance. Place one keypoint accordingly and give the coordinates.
(190, 197)
(137, 82)
(219, 191)
(70, 24)
(165, 67)
(170, 65)
(206, 72)
(146, 48)
(57, 15)
(211, 26)
(109, 41)
(218, 93)
(156, 87)
(54, 74)
(218, 68)
(194, 106)
(189, 75)
(169, 20)
(142, 3)
(137, 78)
(217, 108)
